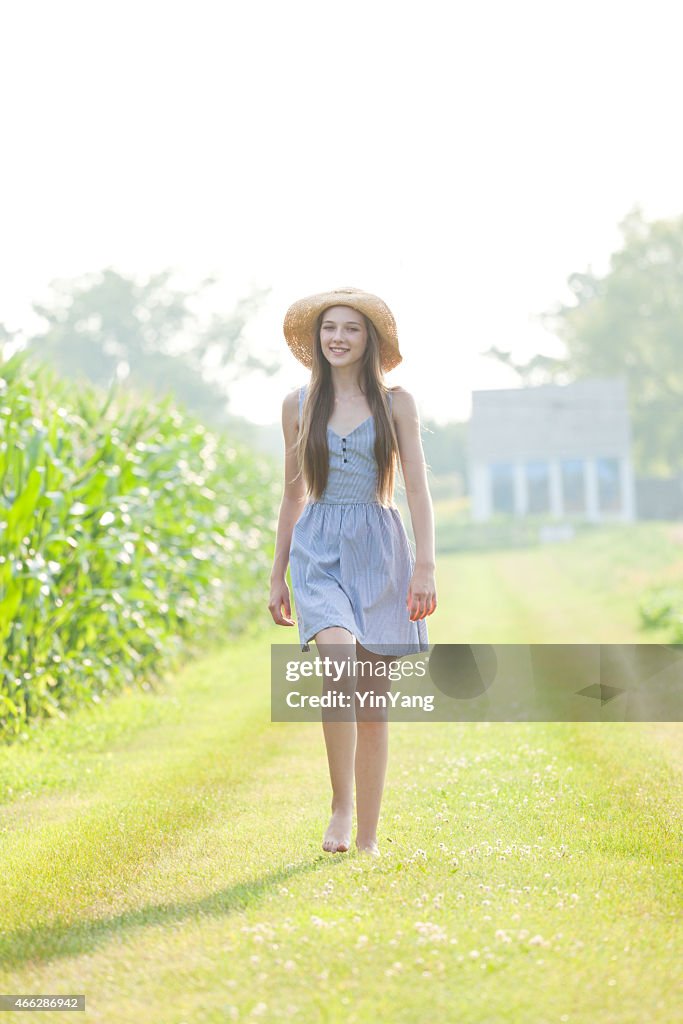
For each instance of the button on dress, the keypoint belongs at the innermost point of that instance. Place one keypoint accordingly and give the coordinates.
(351, 560)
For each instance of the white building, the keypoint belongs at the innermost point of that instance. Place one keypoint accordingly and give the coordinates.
(562, 451)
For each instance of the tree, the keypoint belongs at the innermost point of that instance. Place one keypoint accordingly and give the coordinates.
(445, 447)
(628, 323)
(107, 326)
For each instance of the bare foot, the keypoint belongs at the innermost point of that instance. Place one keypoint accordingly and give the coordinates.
(338, 835)
(370, 847)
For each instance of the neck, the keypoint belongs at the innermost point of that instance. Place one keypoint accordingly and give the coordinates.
(345, 381)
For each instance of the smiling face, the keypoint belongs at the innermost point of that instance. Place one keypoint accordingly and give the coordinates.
(343, 335)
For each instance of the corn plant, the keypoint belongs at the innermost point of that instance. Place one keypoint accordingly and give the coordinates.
(129, 535)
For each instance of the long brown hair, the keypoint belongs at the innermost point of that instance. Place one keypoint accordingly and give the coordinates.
(312, 450)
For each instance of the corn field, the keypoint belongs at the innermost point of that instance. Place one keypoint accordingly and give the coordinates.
(129, 534)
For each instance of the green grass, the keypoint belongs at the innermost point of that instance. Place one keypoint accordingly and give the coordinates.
(162, 853)
(584, 591)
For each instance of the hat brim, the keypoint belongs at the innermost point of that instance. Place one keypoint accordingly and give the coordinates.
(300, 320)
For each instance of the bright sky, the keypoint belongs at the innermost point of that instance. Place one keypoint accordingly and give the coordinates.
(460, 160)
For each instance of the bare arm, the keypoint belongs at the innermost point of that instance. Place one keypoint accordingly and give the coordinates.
(407, 424)
(294, 495)
(421, 599)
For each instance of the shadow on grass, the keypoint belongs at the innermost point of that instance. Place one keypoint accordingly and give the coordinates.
(45, 943)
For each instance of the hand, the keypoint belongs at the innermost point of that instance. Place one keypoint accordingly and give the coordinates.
(279, 596)
(421, 600)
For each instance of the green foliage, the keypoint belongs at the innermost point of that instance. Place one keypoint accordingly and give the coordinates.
(457, 531)
(129, 534)
(445, 448)
(628, 323)
(105, 324)
(663, 607)
(500, 533)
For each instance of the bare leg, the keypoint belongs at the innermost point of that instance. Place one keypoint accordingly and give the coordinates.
(340, 740)
(372, 750)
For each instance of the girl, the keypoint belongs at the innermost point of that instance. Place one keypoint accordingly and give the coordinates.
(354, 574)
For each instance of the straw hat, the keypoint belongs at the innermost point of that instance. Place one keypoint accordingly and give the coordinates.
(300, 321)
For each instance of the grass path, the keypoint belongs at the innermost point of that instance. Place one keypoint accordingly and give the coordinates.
(586, 591)
(162, 853)
(173, 871)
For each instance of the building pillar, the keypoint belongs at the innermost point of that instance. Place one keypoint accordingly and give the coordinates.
(555, 483)
(520, 484)
(591, 481)
(628, 503)
(480, 476)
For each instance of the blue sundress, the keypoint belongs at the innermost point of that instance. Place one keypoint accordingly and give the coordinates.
(351, 559)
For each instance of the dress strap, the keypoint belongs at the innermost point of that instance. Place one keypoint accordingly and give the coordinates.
(390, 397)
